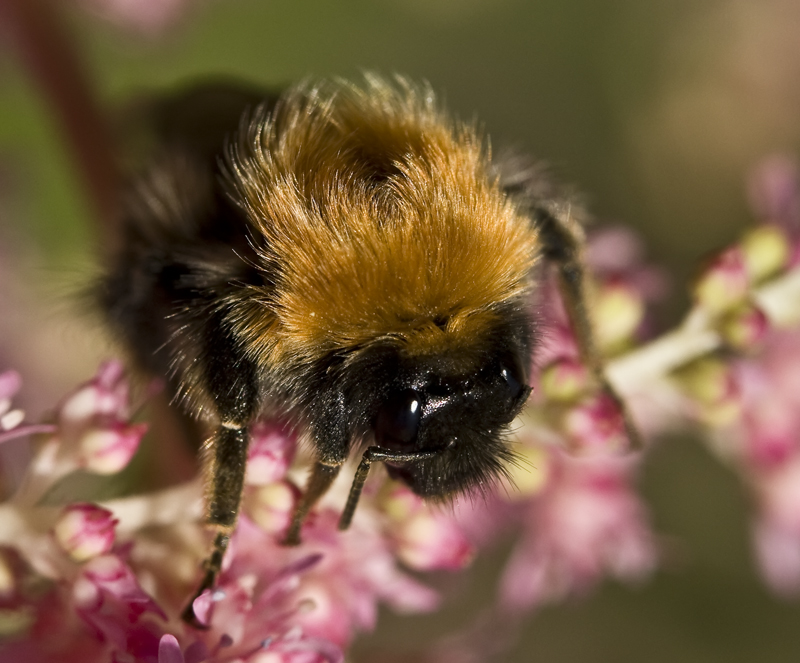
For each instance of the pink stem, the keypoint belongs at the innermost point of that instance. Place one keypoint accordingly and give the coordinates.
(23, 431)
(46, 51)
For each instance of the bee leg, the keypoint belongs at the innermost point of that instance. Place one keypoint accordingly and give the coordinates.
(322, 476)
(228, 457)
(231, 381)
(372, 454)
(564, 244)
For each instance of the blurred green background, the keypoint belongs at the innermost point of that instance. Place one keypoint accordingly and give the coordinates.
(655, 109)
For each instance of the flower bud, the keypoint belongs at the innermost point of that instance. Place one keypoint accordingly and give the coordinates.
(399, 503)
(109, 450)
(712, 387)
(596, 424)
(271, 506)
(430, 541)
(85, 531)
(425, 540)
(766, 251)
(744, 326)
(270, 453)
(724, 283)
(618, 311)
(10, 382)
(8, 581)
(529, 472)
(105, 395)
(564, 380)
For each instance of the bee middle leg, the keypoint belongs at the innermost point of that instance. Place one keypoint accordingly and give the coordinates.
(230, 380)
(321, 478)
(564, 243)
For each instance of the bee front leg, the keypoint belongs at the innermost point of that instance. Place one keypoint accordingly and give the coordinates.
(231, 382)
(227, 451)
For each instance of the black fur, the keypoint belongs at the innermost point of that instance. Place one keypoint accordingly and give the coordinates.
(184, 246)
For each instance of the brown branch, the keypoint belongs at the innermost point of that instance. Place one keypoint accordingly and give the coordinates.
(33, 30)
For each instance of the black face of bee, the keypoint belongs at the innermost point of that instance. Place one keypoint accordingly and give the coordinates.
(454, 416)
(459, 417)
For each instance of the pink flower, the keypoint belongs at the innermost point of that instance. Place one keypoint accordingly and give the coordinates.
(254, 614)
(587, 523)
(769, 386)
(425, 538)
(85, 531)
(149, 17)
(271, 451)
(271, 602)
(271, 506)
(724, 283)
(111, 602)
(596, 425)
(764, 443)
(258, 608)
(777, 527)
(357, 571)
(278, 603)
(52, 632)
(93, 423)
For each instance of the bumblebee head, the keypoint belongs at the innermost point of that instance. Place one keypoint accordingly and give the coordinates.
(444, 412)
(455, 421)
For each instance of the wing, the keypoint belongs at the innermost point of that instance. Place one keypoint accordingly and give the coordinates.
(182, 244)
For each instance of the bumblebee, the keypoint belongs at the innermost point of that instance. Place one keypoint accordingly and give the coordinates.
(347, 257)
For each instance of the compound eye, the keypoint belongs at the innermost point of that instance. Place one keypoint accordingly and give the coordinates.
(513, 384)
(398, 420)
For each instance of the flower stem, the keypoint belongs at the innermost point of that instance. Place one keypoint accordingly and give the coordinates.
(696, 337)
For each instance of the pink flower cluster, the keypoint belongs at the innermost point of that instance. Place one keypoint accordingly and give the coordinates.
(111, 586)
(585, 524)
(99, 582)
(106, 590)
(147, 17)
(751, 400)
(752, 405)
(768, 454)
(576, 507)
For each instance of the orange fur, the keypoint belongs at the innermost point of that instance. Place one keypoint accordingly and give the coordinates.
(383, 223)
